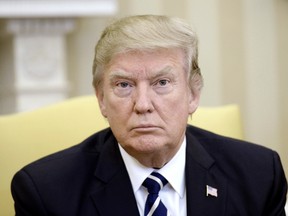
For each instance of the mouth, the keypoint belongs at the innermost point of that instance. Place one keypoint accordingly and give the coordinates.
(145, 128)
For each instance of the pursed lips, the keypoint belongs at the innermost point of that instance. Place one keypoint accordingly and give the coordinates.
(145, 127)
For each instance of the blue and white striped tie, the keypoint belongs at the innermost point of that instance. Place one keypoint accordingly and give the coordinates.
(154, 183)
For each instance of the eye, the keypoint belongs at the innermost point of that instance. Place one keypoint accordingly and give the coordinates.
(163, 82)
(123, 88)
(123, 84)
(163, 86)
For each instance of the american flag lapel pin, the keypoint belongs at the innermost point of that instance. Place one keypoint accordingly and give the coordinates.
(211, 191)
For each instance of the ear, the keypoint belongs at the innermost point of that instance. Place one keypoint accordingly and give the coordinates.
(101, 102)
(195, 92)
(194, 99)
(195, 86)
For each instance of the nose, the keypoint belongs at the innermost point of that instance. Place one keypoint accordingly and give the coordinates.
(143, 100)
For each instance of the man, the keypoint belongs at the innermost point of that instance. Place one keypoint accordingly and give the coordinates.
(147, 81)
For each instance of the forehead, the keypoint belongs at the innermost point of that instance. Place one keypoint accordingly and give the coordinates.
(139, 61)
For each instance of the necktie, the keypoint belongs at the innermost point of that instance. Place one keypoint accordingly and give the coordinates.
(154, 183)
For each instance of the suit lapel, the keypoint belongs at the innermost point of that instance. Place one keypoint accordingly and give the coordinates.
(113, 193)
(201, 171)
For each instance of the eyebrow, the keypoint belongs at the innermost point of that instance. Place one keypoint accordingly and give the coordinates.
(166, 70)
(123, 74)
(119, 74)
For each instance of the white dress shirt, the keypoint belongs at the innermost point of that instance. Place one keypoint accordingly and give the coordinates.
(173, 195)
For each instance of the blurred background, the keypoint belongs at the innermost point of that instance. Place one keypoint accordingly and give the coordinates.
(46, 53)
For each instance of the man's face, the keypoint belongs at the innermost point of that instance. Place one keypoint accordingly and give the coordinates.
(147, 101)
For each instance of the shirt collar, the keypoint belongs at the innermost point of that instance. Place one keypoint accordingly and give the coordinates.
(138, 173)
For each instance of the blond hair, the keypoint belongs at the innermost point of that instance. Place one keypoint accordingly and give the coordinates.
(146, 33)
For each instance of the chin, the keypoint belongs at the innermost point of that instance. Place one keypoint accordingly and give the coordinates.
(147, 147)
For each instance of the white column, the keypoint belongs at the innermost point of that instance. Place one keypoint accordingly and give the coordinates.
(33, 33)
(40, 74)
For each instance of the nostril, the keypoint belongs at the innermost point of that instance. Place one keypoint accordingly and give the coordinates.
(143, 99)
(143, 106)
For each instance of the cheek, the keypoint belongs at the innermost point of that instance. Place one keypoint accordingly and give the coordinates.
(118, 111)
(174, 110)
(179, 109)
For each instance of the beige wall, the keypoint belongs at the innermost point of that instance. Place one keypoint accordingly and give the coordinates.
(243, 57)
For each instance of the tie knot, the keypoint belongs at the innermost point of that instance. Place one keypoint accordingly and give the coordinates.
(154, 183)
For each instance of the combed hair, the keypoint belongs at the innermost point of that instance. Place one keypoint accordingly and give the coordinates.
(147, 33)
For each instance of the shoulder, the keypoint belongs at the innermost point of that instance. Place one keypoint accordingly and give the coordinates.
(230, 153)
(218, 143)
(63, 177)
(80, 157)
(253, 173)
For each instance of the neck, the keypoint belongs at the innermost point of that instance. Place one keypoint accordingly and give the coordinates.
(155, 160)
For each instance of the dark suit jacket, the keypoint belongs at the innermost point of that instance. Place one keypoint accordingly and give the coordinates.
(91, 179)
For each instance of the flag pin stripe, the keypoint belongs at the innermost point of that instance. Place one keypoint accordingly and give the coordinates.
(211, 191)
